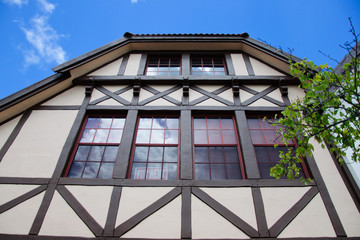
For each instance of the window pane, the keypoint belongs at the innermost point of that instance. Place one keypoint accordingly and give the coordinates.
(138, 171)
(171, 136)
(257, 137)
(227, 123)
(199, 123)
(216, 155)
(101, 136)
(82, 153)
(200, 137)
(88, 135)
(229, 137)
(155, 154)
(169, 171)
(157, 136)
(115, 136)
(96, 153)
(105, 123)
(159, 123)
(92, 123)
(91, 170)
(201, 154)
(145, 122)
(174, 73)
(266, 124)
(270, 137)
(233, 171)
(202, 172)
(219, 73)
(106, 170)
(254, 123)
(265, 170)
(141, 154)
(143, 136)
(172, 123)
(218, 171)
(153, 171)
(151, 73)
(170, 154)
(213, 123)
(110, 153)
(76, 169)
(118, 123)
(214, 137)
(231, 155)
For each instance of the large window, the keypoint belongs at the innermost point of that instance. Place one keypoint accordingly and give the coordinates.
(208, 65)
(216, 149)
(163, 66)
(97, 147)
(156, 150)
(264, 136)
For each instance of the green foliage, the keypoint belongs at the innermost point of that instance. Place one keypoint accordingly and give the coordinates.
(329, 113)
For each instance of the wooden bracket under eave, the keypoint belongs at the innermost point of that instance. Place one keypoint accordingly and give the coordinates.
(136, 87)
(283, 88)
(186, 87)
(235, 86)
(89, 88)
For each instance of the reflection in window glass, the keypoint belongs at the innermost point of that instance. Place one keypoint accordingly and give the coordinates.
(208, 66)
(216, 150)
(97, 149)
(163, 66)
(264, 136)
(155, 155)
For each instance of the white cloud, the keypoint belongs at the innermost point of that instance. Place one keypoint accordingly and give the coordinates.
(46, 6)
(44, 42)
(134, 1)
(19, 3)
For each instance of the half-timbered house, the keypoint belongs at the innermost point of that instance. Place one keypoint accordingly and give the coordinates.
(162, 137)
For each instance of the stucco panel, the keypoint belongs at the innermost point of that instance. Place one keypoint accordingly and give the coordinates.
(61, 220)
(135, 199)
(206, 223)
(239, 64)
(110, 69)
(11, 191)
(36, 149)
(263, 69)
(295, 92)
(164, 223)
(133, 64)
(95, 199)
(312, 221)
(73, 96)
(19, 219)
(344, 205)
(6, 129)
(237, 200)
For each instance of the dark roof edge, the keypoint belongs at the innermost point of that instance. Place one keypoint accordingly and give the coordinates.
(129, 37)
(339, 68)
(32, 90)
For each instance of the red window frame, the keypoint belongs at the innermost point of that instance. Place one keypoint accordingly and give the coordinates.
(148, 148)
(223, 145)
(208, 65)
(163, 66)
(264, 136)
(100, 151)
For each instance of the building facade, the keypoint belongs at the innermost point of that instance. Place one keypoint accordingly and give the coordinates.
(163, 137)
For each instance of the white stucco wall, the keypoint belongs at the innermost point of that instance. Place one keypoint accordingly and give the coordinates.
(263, 69)
(133, 64)
(341, 198)
(36, 150)
(6, 129)
(73, 96)
(239, 64)
(110, 69)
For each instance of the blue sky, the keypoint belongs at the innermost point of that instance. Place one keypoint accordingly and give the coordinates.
(37, 35)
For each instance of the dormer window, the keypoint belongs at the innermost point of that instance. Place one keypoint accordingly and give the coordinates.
(208, 65)
(163, 66)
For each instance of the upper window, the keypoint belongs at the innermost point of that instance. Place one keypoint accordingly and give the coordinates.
(264, 136)
(97, 148)
(216, 149)
(156, 150)
(208, 65)
(163, 66)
